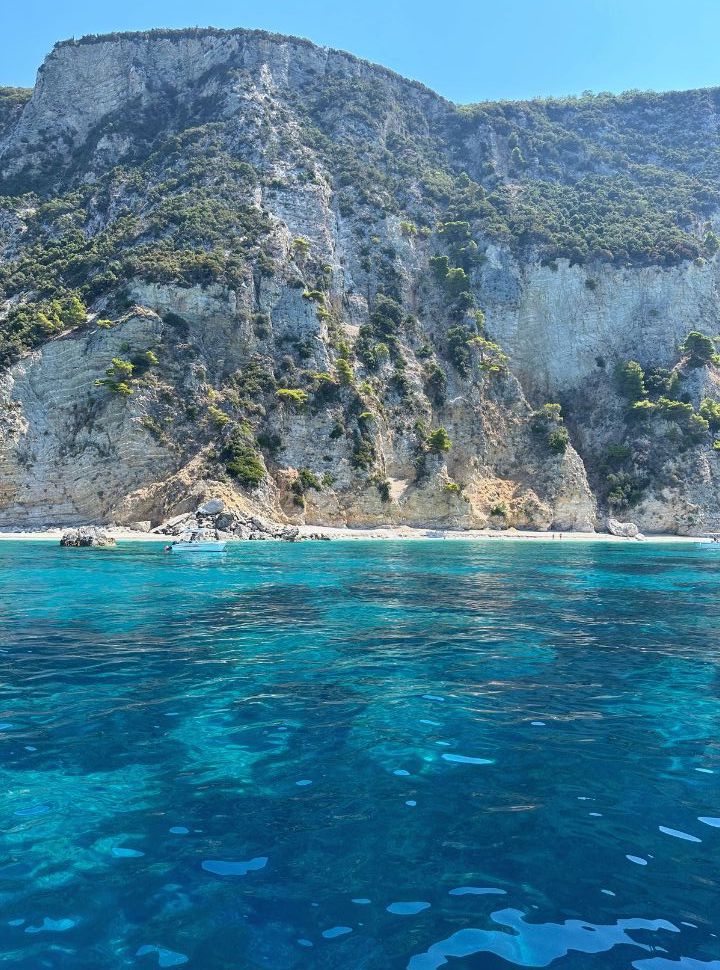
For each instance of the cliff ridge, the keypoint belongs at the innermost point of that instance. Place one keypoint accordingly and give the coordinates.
(236, 264)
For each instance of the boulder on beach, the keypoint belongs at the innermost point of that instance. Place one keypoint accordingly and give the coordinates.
(87, 536)
(227, 521)
(625, 530)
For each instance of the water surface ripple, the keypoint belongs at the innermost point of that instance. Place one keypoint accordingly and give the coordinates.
(360, 755)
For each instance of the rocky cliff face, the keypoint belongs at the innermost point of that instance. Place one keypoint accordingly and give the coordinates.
(237, 264)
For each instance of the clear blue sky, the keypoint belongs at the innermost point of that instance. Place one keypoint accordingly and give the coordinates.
(467, 50)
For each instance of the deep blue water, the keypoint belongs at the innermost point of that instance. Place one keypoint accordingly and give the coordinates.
(360, 755)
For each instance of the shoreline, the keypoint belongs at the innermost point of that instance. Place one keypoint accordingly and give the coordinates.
(118, 533)
(506, 535)
(387, 533)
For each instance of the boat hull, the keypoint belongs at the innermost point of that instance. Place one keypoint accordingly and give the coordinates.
(209, 546)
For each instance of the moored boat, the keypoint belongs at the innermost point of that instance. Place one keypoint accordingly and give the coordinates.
(196, 540)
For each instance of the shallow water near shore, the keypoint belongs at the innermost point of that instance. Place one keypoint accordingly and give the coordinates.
(360, 755)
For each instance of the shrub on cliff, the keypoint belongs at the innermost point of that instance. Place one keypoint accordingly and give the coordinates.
(492, 358)
(383, 487)
(438, 441)
(623, 490)
(435, 382)
(301, 247)
(558, 440)
(303, 483)
(455, 232)
(682, 413)
(118, 387)
(452, 488)
(117, 377)
(697, 427)
(548, 420)
(453, 279)
(120, 368)
(699, 349)
(643, 409)
(217, 417)
(546, 417)
(679, 411)
(387, 315)
(345, 372)
(69, 310)
(440, 266)
(29, 325)
(710, 410)
(630, 380)
(143, 360)
(661, 382)
(458, 343)
(293, 396)
(363, 451)
(456, 282)
(241, 460)
(616, 454)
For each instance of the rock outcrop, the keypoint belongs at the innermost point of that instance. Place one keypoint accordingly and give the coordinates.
(87, 537)
(624, 530)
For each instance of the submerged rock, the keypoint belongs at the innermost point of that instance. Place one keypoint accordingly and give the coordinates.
(87, 535)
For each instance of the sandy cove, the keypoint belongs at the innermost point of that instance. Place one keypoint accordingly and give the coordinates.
(506, 535)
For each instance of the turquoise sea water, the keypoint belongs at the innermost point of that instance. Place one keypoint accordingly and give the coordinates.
(360, 755)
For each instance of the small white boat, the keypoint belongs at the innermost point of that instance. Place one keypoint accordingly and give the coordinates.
(196, 540)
